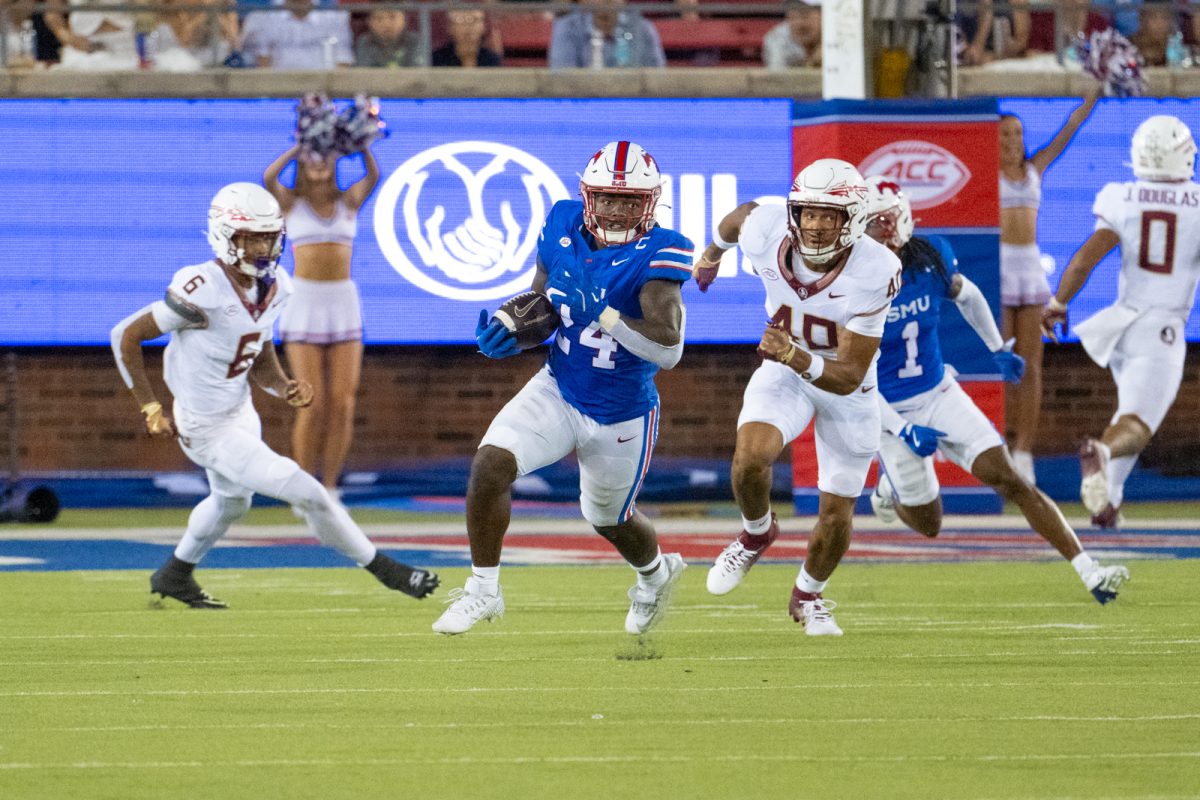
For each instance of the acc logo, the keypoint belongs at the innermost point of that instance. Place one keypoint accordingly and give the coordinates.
(469, 240)
(929, 174)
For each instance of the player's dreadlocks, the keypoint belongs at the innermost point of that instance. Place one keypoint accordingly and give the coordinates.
(919, 254)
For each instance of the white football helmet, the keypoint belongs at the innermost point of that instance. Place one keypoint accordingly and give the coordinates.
(622, 168)
(1163, 150)
(828, 183)
(889, 208)
(244, 208)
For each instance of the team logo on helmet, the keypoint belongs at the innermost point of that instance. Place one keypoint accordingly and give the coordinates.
(930, 174)
(481, 248)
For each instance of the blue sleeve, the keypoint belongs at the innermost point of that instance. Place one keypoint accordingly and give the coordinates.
(672, 259)
(551, 231)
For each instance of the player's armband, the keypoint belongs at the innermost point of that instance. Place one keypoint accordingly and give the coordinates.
(192, 315)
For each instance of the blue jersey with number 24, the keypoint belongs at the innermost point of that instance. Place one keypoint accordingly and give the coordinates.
(910, 354)
(595, 374)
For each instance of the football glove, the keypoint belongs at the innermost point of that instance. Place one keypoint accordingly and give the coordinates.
(705, 272)
(157, 423)
(921, 440)
(299, 394)
(495, 340)
(584, 300)
(1054, 314)
(1010, 365)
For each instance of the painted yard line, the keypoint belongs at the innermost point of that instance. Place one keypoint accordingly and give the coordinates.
(604, 721)
(1141, 651)
(822, 758)
(377, 690)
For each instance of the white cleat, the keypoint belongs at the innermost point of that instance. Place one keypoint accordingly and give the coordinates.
(736, 560)
(647, 607)
(469, 606)
(1104, 582)
(883, 499)
(814, 614)
(1093, 466)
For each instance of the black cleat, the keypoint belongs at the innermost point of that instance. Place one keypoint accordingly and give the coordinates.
(170, 583)
(418, 583)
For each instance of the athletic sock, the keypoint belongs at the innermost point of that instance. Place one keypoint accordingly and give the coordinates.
(809, 585)
(1084, 566)
(653, 575)
(486, 578)
(757, 527)
(1119, 469)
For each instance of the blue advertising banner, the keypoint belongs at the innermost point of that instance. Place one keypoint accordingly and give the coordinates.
(1098, 155)
(108, 198)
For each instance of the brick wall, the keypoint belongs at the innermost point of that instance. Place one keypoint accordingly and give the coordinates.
(433, 402)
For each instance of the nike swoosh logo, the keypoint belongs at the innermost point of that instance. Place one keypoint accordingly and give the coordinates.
(833, 296)
(624, 439)
(525, 309)
(619, 263)
(866, 389)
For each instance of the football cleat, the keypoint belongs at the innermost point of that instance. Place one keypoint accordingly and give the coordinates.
(883, 499)
(647, 606)
(1093, 467)
(418, 583)
(1110, 518)
(169, 583)
(813, 614)
(468, 606)
(736, 560)
(1104, 582)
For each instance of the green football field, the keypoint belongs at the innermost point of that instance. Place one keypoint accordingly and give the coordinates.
(999, 680)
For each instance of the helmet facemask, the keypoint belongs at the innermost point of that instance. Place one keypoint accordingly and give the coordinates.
(259, 267)
(816, 243)
(626, 171)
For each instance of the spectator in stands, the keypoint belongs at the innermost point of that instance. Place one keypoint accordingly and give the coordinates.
(187, 40)
(1156, 26)
(20, 48)
(795, 42)
(613, 36)
(1074, 17)
(1124, 14)
(387, 41)
(99, 40)
(466, 28)
(302, 37)
(992, 36)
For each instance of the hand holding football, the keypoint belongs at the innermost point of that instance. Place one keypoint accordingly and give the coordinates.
(530, 316)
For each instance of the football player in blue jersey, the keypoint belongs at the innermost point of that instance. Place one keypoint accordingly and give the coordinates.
(917, 391)
(614, 276)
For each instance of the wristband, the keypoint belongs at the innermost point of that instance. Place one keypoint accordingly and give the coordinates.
(788, 355)
(815, 369)
(151, 408)
(706, 260)
(609, 318)
(721, 243)
(1055, 305)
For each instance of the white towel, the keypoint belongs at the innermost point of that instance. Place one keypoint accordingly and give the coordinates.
(1100, 333)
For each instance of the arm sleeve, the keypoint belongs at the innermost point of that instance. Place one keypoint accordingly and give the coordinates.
(974, 308)
(662, 355)
(889, 419)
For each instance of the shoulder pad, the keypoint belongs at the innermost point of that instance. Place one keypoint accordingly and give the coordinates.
(196, 287)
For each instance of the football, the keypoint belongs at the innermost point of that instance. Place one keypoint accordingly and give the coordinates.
(530, 316)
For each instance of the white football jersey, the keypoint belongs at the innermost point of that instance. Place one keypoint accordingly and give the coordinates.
(1159, 227)
(815, 308)
(216, 333)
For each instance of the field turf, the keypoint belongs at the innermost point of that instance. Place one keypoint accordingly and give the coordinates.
(996, 680)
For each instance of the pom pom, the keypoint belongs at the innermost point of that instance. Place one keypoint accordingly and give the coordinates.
(359, 125)
(316, 125)
(1114, 61)
(321, 130)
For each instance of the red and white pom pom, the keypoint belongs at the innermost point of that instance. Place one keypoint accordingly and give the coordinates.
(1114, 61)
